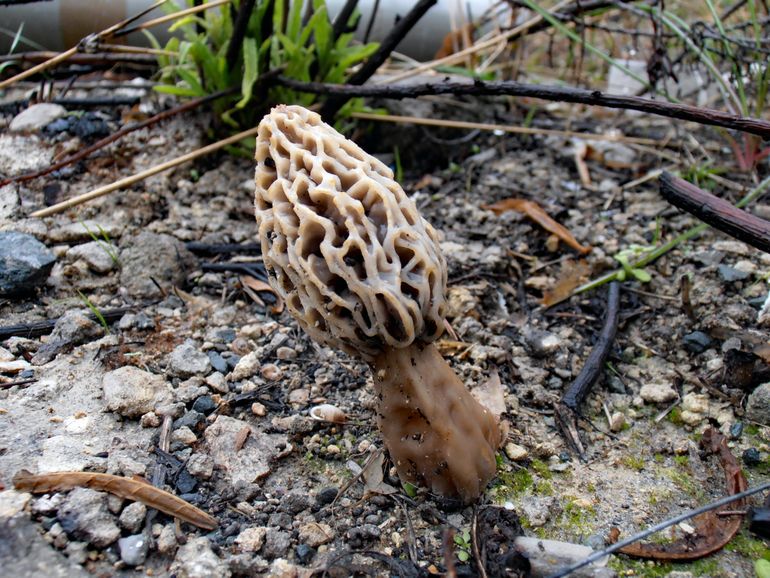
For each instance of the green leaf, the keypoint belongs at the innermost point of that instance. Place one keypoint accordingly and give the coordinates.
(642, 275)
(175, 90)
(250, 70)
(294, 22)
(762, 568)
(463, 556)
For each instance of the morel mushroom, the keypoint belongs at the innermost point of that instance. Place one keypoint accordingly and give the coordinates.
(361, 270)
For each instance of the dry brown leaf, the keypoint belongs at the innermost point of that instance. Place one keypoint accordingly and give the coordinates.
(712, 531)
(572, 274)
(126, 488)
(535, 212)
(253, 286)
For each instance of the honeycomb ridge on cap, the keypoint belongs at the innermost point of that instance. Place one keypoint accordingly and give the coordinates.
(343, 245)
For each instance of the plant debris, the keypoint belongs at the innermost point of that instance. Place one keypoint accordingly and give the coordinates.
(127, 488)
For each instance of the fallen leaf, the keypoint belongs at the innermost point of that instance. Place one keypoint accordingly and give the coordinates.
(572, 274)
(491, 395)
(535, 212)
(711, 531)
(126, 488)
(253, 286)
(373, 474)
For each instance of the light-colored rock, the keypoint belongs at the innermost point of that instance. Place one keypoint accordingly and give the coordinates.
(251, 539)
(758, 405)
(201, 466)
(252, 461)
(132, 516)
(9, 201)
(696, 403)
(315, 534)
(247, 366)
(196, 559)
(80, 231)
(186, 360)
(22, 154)
(85, 514)
(657, 392)
(132, 392)
(13, 502)
(167, 540)
(515, 452)
(36, 117)
(133, 549)
(100, 256)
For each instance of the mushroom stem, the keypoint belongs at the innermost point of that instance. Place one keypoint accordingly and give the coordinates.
(435, 430)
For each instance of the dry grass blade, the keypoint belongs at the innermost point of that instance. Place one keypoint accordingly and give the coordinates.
(123, 183)
(127, 488)
(535, 212)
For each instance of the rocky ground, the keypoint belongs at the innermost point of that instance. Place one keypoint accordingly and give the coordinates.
(205, 385)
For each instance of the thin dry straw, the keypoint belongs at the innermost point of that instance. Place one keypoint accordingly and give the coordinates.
(128, 181)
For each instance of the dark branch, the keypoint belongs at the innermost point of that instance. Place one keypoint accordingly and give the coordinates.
(401, 29)
(568, 409)
(340, 25)
(687, 112)
(716, 212)
(239, 31)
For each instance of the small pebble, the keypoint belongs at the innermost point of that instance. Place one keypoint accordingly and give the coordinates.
(697, 342)
(133, 549)
(731, 274)
(516, 452)
(751, 457)
(271, 372)
(258, 409)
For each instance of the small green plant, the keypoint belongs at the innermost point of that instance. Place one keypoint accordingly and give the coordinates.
(104, 242)
(627, 258)
(276, 38)
(463, 543)
(95, 311)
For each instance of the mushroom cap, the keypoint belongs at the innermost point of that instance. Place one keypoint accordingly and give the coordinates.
(356, 264)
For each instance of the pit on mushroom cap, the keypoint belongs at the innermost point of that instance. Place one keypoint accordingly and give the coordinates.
(361, 270)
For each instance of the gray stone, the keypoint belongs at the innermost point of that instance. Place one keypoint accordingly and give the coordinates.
(277, 544)
(84, 515)
(24, 263)
(295, 502)
(132, 392)
(758, 405)
(82, 231)
(132, 516)
(22, 153)
(36, 117)
(197, 560)
(731, 274)
(167, 540)
(98, 255)
(252, 461)
(9, 201)
(201, 466)
(72, 328)
(25, 554)
(542, 343)
(187, 360)
(148, 256)
(133, 549)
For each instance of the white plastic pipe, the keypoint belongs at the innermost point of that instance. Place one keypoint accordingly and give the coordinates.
(60, 24)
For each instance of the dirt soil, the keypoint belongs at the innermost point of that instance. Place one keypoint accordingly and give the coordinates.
(206, 385)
